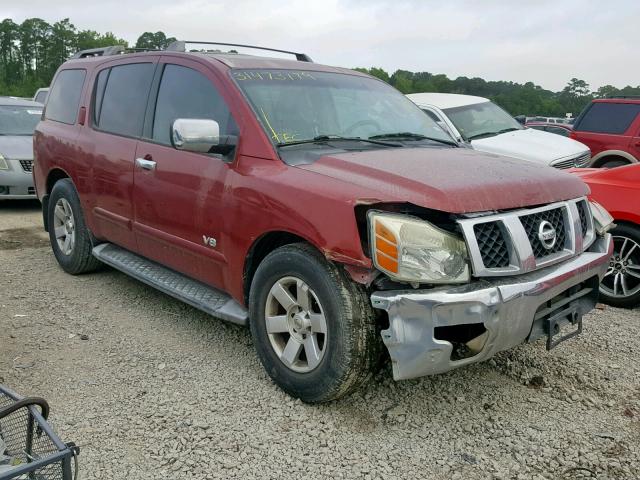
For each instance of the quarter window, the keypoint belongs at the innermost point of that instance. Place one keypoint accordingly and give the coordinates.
(64, 98)
(186, 93)
(121, 98)
(613, 118)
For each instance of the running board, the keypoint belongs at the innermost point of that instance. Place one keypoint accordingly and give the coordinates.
(196, 294)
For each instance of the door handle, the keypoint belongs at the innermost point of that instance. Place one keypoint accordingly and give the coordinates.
(145, 164)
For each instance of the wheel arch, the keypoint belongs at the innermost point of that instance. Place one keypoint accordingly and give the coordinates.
(261, 247)
(54, 175)
(609, 155)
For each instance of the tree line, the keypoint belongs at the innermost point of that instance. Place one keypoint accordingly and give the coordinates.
(31, 52)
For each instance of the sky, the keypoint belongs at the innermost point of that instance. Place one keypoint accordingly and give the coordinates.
(544, 41)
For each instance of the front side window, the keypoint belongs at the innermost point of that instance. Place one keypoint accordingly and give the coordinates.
(480, 120)
(297, 106)
(121, 98)
(612, 118)
(64, 98)
(186, 93)
(18, 120)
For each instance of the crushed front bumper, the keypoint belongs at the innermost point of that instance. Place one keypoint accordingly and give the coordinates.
(512, 310)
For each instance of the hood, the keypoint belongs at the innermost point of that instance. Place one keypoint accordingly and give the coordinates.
(531, 145)
(454, 180)
(18, 147)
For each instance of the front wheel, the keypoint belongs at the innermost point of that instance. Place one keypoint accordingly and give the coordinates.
(313, 328)
(620, 286)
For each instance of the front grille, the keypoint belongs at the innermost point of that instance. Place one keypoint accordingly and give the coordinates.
(493, 246)
(579, 161)
(512, 242)
(27, 165)
(583, 212)
(531, 224)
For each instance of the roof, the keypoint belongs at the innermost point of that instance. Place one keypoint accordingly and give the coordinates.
(445, 100)
(229, 60)
(19, 102)
(617, 100)
(566, 126)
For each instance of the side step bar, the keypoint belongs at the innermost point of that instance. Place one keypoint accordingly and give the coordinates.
(196, 294)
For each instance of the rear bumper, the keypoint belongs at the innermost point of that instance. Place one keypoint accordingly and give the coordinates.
(509, 308)
(15, 183)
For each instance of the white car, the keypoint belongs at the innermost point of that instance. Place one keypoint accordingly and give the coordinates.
(486, 127)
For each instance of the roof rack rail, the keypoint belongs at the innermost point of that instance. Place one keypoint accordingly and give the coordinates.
(634, 97)
(181, 46)
(100, 52)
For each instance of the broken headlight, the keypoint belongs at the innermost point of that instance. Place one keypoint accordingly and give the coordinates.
(412, 250)
(3, 163)
(602, 220)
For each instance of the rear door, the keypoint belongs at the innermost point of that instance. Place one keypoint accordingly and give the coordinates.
(634, 146)
(178, 197)
(119, 101)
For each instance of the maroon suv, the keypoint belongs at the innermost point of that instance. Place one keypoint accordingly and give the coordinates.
(610, 127)
(317, 205)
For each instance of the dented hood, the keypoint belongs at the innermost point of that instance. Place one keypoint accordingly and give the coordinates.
(454, 180)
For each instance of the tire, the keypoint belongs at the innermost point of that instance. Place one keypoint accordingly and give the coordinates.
(614, 164)
(621, 285)
(348, 351)
(66, 221)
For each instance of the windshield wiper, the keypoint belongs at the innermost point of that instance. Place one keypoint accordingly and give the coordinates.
(327, 138)
(412, 136)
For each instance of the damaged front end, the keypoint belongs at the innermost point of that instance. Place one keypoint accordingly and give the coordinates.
(529, 293)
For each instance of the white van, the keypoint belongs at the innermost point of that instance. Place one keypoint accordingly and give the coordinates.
(486, 127)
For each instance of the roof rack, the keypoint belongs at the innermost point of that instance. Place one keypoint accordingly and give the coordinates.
(100, 52)
(180, 46)
(635, 97)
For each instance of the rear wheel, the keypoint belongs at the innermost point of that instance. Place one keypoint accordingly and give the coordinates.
(620, 286)
(614, 164)
(70, 238)
(313, 328)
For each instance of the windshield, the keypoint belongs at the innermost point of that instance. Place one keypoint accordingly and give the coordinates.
(298, 106)
(481, 120)
(16, 120)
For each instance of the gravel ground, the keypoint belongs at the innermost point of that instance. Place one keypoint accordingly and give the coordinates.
(151, 388)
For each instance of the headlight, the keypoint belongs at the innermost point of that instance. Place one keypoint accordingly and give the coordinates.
(415, 251)
(3, 163)
(602, 220)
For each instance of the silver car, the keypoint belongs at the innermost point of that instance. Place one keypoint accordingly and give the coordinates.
(18, 119)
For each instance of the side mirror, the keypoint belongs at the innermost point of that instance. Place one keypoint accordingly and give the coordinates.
(201, 136)
(521, 119)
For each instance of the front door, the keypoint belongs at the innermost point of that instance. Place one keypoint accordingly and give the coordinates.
(179, 195)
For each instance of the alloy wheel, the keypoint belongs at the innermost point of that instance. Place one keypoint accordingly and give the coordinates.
(622, 278)
(296, 324)
(64, 226)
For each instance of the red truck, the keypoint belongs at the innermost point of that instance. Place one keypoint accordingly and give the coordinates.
(610, 127)
(317, 205)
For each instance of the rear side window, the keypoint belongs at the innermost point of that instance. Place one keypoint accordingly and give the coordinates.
(612, 118)
(64, 97)
(559, 131)
(186, 93)
(121, 98)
